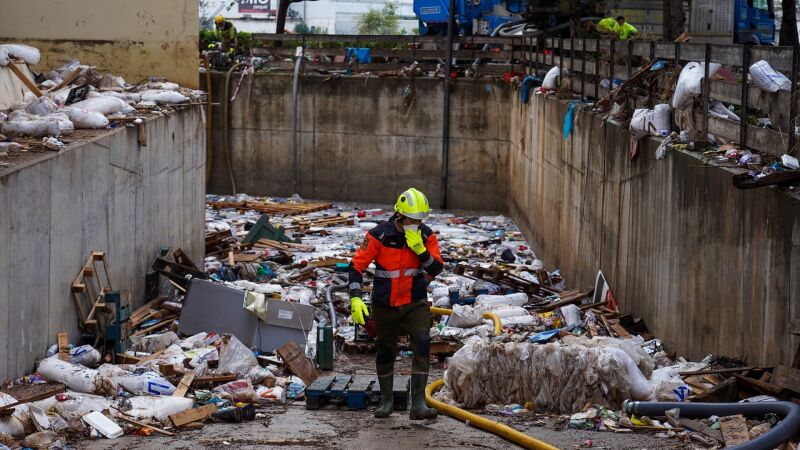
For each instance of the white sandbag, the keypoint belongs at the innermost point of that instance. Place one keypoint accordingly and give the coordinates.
(85, 355)
(24, 52)
(130, 97)
(85, 119)
(14, 424)
(137, 381)
(163, 86)
(3, 57)
(769, 79)
(76, 377)
(159, 408)
(41, 106)
(153, 342)
(34, 128)
(640, 387)
(572, 316)
(717, 109)
(517, 321)
(485, 300)
(551, 79)
(690, 83)
(507, 311)
(65, 126)
(464, 316)
(104, 105)
(650, 121)
(170, 97)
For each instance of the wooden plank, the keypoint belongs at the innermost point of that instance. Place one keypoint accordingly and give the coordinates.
(63, 346)
(215, 379)
(192, 415)
(734, 430)
(25, 80)
(184, 385)
(620, 331)
(150, 357)
(68, 79)
(715, 371)
(700, 427)
(786, 378)
(298, 362)
(144, 425)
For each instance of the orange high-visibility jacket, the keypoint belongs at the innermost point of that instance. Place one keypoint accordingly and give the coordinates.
(399, 272)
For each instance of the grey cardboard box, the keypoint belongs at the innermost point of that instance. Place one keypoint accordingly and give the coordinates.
(212, 307)
(285, 322)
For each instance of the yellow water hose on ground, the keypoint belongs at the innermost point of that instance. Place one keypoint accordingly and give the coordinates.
(475, 420)
(498, 325)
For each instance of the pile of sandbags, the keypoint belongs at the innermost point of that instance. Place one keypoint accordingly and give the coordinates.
(561, 376)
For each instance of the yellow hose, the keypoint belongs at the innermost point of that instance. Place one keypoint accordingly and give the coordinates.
(498, 325)
(477, 421)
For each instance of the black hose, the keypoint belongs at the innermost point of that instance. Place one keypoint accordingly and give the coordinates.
(784, 431)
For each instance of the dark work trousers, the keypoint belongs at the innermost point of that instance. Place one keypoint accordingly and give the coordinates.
(413, 320)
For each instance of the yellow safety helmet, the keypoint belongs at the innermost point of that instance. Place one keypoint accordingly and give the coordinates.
(218, 20)
(413, 203)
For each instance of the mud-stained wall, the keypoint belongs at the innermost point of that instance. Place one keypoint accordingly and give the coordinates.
(131, 38)
(110, 194)
(710, 268)
(364, 139)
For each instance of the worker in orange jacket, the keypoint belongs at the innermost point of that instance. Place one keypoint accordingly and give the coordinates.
(406, 256)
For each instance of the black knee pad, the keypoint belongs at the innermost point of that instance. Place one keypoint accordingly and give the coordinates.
(423, 343)
(384, 355)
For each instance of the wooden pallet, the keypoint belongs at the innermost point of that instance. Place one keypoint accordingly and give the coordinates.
(88, 291)
(283, 246)
(286, 209)
(304, 224)
(354, 391)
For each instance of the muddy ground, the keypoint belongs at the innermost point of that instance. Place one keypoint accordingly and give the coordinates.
(292, 426)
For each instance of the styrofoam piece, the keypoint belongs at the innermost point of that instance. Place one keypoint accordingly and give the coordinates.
(103, 425)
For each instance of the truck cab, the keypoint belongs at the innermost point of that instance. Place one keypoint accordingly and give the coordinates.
(732, 21)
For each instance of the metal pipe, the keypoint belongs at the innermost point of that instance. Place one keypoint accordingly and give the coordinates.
(477, 421)
(226, 120)
(209, 148)
(296, 120)
(329, 298)
(784, 431)
(446, 105)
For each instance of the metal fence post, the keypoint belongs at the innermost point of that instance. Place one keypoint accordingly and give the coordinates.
(597, 71)
(611, 67)
(583, 66)
(677, 53)
(571, 53)
(650, 99)
(560, 60)
(745, 100)
(706, 88)
(793, 99)
(630, 58)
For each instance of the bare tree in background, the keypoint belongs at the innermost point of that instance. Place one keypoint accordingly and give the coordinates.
(673, 19)
(788, 36)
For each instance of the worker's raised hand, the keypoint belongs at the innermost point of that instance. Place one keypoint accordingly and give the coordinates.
(414, 241)
(358, 310)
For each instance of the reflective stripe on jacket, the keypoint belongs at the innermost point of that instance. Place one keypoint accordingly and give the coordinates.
(399, 272)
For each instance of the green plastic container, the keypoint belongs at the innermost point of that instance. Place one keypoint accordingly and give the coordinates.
(325, 347)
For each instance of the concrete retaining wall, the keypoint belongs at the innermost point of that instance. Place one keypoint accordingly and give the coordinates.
(710, 268)
(360, 143)
(109, 194)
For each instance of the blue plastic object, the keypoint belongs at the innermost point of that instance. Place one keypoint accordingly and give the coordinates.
(569, 119)
(529, 83)
(361, 54)
(544, 336)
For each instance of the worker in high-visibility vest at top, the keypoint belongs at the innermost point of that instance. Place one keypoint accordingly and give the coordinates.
(626, 30)
(227, 34)
(406, 256)
(608, 26)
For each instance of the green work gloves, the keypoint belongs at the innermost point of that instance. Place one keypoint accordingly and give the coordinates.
(358, 310)
(414, 241)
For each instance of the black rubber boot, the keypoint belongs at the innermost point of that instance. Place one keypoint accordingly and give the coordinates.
(419, 409)
(386, 407)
